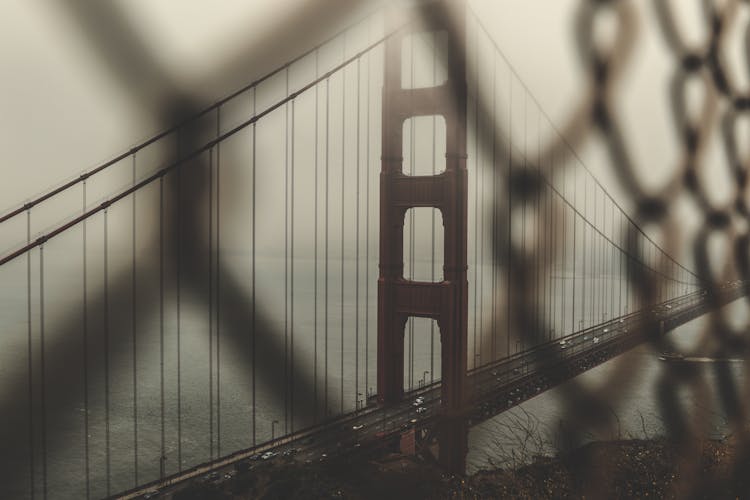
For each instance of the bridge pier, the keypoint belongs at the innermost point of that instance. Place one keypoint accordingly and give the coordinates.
(399, 298)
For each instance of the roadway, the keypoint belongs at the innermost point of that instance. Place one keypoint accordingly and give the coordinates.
(493, 388)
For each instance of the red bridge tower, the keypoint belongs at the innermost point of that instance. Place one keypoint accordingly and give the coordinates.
(399, 298)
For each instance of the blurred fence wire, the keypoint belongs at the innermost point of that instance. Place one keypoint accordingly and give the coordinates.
(212, 204)
(719, 113)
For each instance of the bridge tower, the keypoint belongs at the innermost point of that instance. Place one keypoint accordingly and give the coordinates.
(399, 298)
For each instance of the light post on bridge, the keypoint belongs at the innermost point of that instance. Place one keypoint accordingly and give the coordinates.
(162, 466)
(273, 429)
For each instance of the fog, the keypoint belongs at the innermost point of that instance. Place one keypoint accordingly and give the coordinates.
(65, 109)
(73, 96)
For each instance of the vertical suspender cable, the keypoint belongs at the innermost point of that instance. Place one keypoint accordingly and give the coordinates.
(412, 161)
(550, 247)
(637, 259)
(560, 214)
(601, 292)
(412, 219)
(558, 262)
(356, 260)
(286, 258)
(343, 190)
(552, 243)
(315, 255)
(106, 349)
(609, 249)
(595, 258)
(607, 257)
(537, 229)
(613, 258)
(85, 350)
(432, 229)
(367, 224)
(574, 254)
(663, 283)
(621, 259)
(476, 194)
(325, 308)
(602, 263)
(177, 305)
(218, 282)
(594, 262)
(210, 304)
(628, 265)
(253, 310)
(495, 178)
(509, 264)
(29, 353)
(291, 284)
(558, 325)
(604, 294)
(583, 246)
(597, 285)
(544, 222)
(43, 382)
(163, 454)
(524, 197)
(481, 169)
(133, 333)
(537, 216)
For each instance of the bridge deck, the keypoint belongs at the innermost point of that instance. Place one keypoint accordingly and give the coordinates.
(493, 388)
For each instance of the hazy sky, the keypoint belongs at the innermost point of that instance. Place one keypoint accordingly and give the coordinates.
(62, 113)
